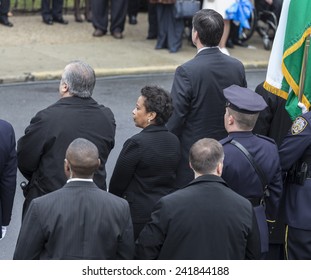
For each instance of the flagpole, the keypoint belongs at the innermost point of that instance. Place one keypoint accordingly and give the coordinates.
(303, 68)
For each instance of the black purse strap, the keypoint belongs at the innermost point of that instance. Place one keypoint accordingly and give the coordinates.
(258, 170)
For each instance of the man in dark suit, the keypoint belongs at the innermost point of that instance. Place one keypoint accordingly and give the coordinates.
(252, 165)
(199, 104)
(54, 13)
(78, 221)
(41, 150)
(8, 169)
(205, 220)
(100, 16)
(4, 10)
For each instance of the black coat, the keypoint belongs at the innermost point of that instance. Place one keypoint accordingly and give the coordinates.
(274, 121)
(205, 220)
(145, 171)
(199, 103)
(8, 169)
(79, 221)
(41, 151)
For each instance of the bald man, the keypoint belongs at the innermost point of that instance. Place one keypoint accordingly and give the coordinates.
(78, 221)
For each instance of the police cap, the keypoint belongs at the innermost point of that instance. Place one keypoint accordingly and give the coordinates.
(244, 100)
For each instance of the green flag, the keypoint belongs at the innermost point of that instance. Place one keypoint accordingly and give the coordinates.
(286, 59)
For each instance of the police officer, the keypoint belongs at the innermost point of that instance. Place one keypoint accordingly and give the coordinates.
(251, 165)
(295, 157)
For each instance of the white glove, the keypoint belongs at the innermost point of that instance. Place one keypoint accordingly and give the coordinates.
(3, 232)
(302, 107)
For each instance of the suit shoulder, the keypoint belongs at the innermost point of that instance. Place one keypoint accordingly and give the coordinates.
(6, 125)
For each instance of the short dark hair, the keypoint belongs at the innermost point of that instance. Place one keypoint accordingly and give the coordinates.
(205, 155)
(82, 156)
(159, 101)
(210, 26)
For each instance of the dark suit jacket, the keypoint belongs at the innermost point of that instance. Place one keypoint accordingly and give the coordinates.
(78, 221)
(146, 170)
(205, 220)
(199, 103)
(41, 151)
(8, 169)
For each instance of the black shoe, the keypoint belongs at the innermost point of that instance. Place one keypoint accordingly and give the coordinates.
(6, 22)
(99, 33)
(151, 37)
(132, 20)
(117, 35)
(229, 44)
(240, 43)
(48, 21)
(60, 20)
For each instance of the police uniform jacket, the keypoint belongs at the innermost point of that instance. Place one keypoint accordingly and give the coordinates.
(296, 148)
(146, 170)
(199, 103)
(241, 176)
(8, 169)
(78, 221)
(205, 220)
(41, 151)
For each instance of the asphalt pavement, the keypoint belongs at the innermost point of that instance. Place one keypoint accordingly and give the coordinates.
(34, 51)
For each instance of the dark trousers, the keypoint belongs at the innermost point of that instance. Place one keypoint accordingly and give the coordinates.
(100, 13)
(152, 21)
(4, 8)
(298, 244)
(54, 12)
(133, 7)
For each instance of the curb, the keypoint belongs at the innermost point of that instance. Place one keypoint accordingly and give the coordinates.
(105, 72)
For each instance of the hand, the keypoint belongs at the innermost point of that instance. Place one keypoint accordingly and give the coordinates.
(3, 232)
(269, 2)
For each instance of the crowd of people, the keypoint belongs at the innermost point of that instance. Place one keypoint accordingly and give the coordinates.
(196, 182)
(169, 31)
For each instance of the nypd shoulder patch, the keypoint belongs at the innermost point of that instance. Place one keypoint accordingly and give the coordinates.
(299, 125)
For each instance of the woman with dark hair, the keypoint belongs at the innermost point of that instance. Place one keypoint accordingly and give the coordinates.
(146, 168)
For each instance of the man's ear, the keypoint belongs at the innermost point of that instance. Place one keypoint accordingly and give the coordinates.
(230, 120)
(219, 168)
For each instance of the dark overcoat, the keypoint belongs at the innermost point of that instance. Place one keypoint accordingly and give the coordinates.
(41, 151)
(205, 220)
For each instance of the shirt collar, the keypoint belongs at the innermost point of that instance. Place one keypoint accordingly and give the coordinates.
(79, 179)
(205, 48)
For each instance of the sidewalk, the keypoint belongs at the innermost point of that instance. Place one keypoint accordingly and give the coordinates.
(32, 51)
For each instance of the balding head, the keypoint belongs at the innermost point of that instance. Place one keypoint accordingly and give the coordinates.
(206, 157)
(82, 159)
